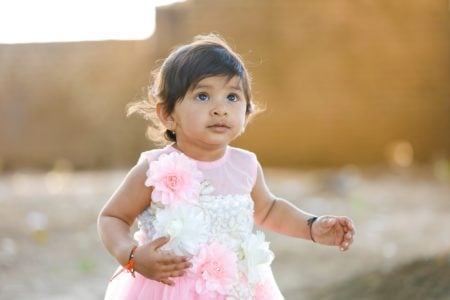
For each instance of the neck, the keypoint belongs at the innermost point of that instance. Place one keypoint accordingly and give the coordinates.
(201, 153)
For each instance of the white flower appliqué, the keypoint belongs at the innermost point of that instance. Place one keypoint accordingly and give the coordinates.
(257, 256)
(185, 224)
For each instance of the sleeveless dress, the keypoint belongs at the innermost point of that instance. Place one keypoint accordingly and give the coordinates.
(207, 210)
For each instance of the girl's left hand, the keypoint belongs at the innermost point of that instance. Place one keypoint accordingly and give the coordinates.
(333, 231)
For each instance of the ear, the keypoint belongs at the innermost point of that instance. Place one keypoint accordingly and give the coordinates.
(247, 120)
(166, 119)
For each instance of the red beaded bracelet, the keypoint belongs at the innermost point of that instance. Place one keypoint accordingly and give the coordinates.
(129, 265)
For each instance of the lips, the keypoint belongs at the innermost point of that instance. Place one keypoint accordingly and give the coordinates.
(219, 127)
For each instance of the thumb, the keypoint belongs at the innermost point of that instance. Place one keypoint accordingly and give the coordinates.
(159, 242)
(327, 222)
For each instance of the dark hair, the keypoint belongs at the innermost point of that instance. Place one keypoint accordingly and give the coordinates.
(208, 55)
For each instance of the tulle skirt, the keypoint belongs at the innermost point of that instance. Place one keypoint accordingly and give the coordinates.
(125, 287)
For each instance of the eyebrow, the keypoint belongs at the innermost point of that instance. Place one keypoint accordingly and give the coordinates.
(206, 86)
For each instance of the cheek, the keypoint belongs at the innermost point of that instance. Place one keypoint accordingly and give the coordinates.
(187, 115)
(240, 120)
(193, 121)
(243, 115)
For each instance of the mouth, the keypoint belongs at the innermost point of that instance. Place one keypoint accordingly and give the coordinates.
(219, 127)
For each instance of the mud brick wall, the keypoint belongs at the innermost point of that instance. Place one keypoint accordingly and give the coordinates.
(342, 81)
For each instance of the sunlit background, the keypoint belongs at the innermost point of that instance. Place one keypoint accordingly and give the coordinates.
(46, 21)
(357, 101)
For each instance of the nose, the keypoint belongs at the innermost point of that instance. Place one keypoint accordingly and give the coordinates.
(220, 110)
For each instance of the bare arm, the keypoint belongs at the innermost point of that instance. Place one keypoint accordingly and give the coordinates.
(119, 213)
(116, 219)
(279, 215)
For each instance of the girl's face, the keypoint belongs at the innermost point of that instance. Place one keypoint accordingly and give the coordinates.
(211, 114)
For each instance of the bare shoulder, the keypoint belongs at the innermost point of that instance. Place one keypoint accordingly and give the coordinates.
(134, 182)
(135, 178)
(139, 171)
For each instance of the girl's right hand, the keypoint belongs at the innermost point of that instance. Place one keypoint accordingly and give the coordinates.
(159, 265)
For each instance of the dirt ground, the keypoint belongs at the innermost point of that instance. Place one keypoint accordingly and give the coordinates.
(49, 247)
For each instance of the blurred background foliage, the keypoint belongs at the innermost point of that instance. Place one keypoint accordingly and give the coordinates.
(344, 82)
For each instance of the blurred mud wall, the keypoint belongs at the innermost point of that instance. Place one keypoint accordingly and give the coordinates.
(344, 82)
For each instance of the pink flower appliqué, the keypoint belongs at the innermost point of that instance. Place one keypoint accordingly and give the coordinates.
(175, 179)
(214, 270)
(264, 291)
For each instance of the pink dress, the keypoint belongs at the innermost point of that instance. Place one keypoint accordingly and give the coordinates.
(208, 214)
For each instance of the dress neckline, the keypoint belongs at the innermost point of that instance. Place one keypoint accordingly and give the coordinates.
(206, 164)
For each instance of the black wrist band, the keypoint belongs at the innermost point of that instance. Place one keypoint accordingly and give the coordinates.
(310, 222)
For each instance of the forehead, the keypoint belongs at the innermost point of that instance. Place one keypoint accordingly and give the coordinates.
(220, 82)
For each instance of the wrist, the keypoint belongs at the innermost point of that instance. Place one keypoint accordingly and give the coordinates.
(123, 254)
(310, 223)
(129, 266)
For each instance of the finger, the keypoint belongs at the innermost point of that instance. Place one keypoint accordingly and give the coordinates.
(171, 260)
(353, 229)
(347, 223)
(176, 267)
(348, 227)
(344, 246)
(159, 242)
(348, 240)
(348, 236)
(344, 222)
(167, 281)
(346, 243)
(173, 274)
(352, 233)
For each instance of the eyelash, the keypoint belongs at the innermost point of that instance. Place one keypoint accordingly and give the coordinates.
(236, 97)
